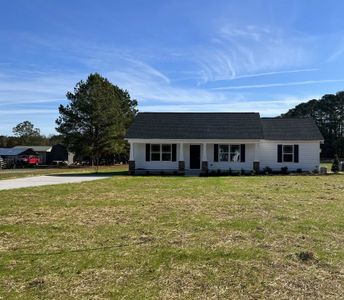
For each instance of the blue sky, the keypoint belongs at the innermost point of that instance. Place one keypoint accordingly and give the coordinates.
(263, 56)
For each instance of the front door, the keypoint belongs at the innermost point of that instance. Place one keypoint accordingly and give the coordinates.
(195, 156)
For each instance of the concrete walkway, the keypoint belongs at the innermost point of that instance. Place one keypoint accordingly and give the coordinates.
(9, 184)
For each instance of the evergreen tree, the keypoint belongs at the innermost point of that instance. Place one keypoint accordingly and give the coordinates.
(335, 164)
(95, 121)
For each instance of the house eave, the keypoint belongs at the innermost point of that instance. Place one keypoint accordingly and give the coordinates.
(177, 141)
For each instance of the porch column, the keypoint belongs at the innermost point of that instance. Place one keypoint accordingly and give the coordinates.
(204, 158)
(131, 160)
(181, 162)
(256, 164)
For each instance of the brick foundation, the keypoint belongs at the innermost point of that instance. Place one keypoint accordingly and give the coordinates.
(181, 167)
(256, 167)
(204, 166)
(131, 167)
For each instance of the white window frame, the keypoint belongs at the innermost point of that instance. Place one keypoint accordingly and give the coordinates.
(288, 153)
(229, 153)
(161, 152)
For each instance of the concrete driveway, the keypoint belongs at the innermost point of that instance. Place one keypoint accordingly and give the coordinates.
(9, 184)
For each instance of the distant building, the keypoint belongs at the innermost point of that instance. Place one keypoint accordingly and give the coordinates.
(50, 154)
(12, 155)
(42, 152)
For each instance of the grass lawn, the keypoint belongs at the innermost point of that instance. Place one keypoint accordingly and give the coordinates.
(28, 172)
(175, 237)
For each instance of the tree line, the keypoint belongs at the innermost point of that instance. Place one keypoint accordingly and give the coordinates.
(92, 125)
(328, 114)
(26, 134)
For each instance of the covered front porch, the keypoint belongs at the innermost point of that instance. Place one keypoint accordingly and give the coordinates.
(192, 156)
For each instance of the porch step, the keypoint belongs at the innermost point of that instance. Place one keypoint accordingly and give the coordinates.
(192, 172)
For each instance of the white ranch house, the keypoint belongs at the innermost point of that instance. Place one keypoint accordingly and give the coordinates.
(191, 143)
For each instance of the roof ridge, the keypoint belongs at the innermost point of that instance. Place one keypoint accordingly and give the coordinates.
(291, 118)
(194, 112)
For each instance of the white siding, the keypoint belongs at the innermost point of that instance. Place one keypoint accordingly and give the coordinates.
(141, 163)
(309, 155)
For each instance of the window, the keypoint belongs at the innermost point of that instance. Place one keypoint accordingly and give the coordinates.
(155, 152)
(288, 153)
(223, 152)
(166, 154)
(229, 153)
(235, 153)
(161, 152)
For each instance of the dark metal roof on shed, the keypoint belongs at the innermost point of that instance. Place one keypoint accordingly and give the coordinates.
(196, 126)
(36, 148)
(15, 151)
(290, 129)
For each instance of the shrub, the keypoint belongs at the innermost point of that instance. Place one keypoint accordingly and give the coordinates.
(305, 255)
(335, 165)
(230, 172)
(267, 170)
(284, 170)
(147, 172)
(299, 170)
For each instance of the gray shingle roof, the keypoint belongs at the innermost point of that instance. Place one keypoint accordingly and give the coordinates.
(290, 129)
(221, 126)
(196, 126)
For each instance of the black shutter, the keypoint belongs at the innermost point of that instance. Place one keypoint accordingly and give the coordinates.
(279, 153)
(242, 153)
(216, 152)
(174, 152)
(296, 153)
(147, 152)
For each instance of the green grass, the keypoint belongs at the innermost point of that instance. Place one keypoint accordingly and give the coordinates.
(174, 237)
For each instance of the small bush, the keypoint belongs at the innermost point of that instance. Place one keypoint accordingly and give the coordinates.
(299, 170)
(267, 170)
(147, 172)
(305, 255)
(230, 172)
(284, 170)
(315, 171)
(335, 165)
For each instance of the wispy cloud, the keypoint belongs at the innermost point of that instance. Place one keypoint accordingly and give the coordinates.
(28, 111)
(336, 54)
(276, 73)
(279, 84)
(267, 108)
(235, 52)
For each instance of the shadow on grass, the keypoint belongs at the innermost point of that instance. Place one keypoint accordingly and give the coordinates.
(99, 174)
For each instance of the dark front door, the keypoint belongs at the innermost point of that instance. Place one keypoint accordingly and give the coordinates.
(195, 156)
